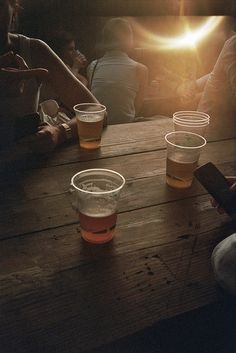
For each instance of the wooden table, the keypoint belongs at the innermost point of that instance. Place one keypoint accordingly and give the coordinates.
(60, 294)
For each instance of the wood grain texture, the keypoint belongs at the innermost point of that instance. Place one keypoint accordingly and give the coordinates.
(60, 294)
(44, 200)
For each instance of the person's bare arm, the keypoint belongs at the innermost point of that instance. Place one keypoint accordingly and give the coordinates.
(69, 89)
(13, 72)
(142, 74)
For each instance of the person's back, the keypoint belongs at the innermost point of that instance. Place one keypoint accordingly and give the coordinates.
(218, 98)
(115, 84)
(116, 80)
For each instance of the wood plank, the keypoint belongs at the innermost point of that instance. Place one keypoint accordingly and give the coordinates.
(39, 205)
(46, 181)
(62, 248)
(120, 140)
(137, 137)
(64, 313)
(60, 294)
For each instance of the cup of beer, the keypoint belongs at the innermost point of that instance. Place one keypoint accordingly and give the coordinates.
(183, 152)
(89, 117)
(95, 197)
(191, 121)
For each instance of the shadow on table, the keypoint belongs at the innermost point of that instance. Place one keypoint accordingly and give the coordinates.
(210, 329)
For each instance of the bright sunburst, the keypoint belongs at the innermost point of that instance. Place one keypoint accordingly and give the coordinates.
(191, 37)
(188, 39)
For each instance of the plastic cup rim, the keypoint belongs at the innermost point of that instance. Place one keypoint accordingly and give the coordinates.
(191, 120)
(193, 112)
(98, 192)
(102, 110)
(186, 147)
(191, 125)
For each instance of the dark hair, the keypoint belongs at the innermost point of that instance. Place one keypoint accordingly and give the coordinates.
(116, 33)
(58, 40)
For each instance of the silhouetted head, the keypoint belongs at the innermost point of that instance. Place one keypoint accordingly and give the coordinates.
(63, 43)
(117, 34)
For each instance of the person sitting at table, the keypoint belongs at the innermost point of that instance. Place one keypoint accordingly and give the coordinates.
(218, 98)
(115, 79)
(63, 44)
(224, 255)
(24, 63)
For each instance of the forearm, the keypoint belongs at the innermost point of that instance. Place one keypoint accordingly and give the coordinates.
(68, 88)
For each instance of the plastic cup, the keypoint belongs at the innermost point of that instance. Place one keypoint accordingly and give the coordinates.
(95, 195)
(183, 152)
(191, 121)
(197, 128)
(90, 118)
(191, 116)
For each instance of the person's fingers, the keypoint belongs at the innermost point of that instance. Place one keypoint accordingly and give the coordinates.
(216, 205)
(231, 181)
(21, 62)
(15, 74)
(220, 210)
(233, 186)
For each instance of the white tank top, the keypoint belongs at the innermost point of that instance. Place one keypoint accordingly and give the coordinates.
(115, 84)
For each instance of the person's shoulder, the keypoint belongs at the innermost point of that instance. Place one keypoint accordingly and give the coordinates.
(38, 43)
(92, 63)
(231, 42)
(91, 66)
(40, 48)
(141, 68)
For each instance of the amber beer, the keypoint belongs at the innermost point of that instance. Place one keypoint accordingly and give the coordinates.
(90, 130)
(183, 152)
(97, 228)
(95, 194)
(179, 174)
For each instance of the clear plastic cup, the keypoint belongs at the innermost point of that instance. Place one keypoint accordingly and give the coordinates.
(191, 116)
(90, 118)
(183, 152)
(191, 121)
(95, 195)
(197, 128)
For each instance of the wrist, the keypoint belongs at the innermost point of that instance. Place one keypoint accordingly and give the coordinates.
(65, 133)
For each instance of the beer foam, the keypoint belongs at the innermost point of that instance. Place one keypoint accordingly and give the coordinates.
(88, 118)
(98, 213)
(99, 208)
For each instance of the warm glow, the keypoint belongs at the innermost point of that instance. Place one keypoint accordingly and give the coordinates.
(191, 37)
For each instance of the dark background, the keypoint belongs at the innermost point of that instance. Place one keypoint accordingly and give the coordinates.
(85, 19)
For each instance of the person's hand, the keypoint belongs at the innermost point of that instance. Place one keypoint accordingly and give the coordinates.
(232, 183)
(46, 139)
(13, 73)
(80, 60)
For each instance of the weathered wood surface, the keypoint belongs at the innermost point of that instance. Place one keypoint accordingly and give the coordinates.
(135, 138)
(59, 294)
(43, 197)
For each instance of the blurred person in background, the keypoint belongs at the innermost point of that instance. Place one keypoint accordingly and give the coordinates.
(63, 44)
(219, 95)
(115, 79)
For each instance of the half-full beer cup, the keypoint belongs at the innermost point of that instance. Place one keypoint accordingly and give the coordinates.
(95, 197)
